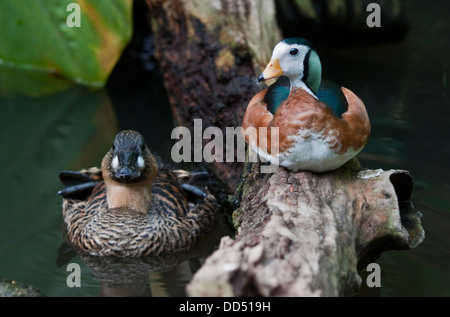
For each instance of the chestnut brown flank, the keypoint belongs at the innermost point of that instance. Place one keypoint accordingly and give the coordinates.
(303, 114)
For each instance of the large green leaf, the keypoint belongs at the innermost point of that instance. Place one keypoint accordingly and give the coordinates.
(36, 38)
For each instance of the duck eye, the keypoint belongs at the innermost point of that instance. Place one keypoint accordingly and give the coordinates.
(293, 51)
(113, 147)
(143, 147)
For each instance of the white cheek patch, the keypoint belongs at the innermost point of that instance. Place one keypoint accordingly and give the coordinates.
(115, 162)
(140, 162)
(291, 65)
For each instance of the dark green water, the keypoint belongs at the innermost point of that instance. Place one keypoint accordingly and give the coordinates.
(404, 86)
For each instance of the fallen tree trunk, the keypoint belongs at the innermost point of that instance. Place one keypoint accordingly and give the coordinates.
(307, 234)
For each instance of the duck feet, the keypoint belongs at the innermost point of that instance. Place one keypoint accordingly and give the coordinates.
(77, 185)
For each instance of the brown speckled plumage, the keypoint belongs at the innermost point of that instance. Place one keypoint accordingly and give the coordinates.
(171, 224)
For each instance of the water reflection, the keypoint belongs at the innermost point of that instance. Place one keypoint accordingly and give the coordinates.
(146, 276)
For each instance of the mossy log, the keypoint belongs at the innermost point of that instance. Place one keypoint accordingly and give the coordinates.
(308, 234)
(11, 288)
(299, 234)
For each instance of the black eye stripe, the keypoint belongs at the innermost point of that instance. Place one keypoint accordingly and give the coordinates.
(293, 51)
(306, 68)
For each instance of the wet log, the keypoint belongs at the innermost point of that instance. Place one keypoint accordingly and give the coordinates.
(208, 52)
(307, 234)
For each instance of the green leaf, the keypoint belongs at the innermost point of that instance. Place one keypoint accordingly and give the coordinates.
(36, 37)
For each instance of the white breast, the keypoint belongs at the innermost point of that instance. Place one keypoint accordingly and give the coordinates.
(312, 152)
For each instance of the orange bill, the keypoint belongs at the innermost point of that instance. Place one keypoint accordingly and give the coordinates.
(272, 70)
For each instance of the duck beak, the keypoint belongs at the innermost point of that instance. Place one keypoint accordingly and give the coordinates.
(128, 171)
(272, 70)
(125, 175)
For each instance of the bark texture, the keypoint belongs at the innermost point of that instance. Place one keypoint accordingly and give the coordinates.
(307, 234)
(208, 51)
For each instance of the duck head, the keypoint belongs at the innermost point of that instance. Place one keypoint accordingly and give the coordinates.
(129, 169)
(296, 59)
(129, 160)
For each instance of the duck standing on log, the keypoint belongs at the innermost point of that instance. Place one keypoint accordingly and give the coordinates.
(320, 125)
(131, 208)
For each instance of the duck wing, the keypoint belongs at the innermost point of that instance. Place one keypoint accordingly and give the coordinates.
(277, 93)
(168, 197)
(331, 94)
(77, 185)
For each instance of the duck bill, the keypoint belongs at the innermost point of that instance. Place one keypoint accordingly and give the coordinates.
(127, 171)
(273, 70)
